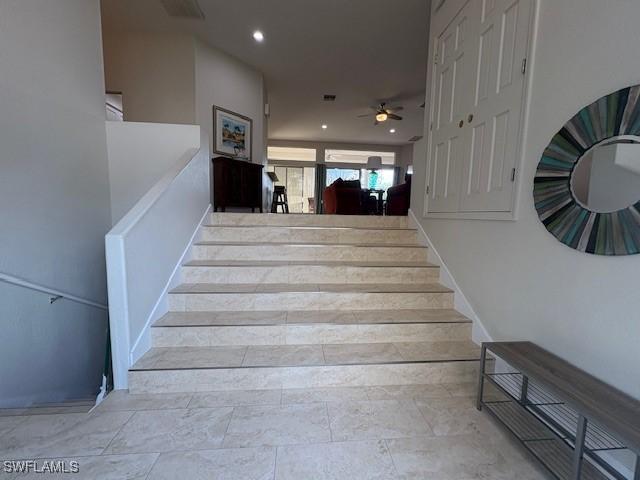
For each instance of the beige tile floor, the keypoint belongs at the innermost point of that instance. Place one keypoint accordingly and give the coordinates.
(430, 432)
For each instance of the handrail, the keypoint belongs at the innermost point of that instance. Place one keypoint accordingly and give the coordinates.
(56, 294)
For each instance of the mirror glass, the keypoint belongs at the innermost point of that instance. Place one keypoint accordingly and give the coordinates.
(607, 178)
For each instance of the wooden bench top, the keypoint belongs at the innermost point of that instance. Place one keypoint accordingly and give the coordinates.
(611, 409)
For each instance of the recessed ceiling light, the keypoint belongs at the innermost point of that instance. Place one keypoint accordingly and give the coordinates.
(393, 130)
(258, 36)
(324, 127)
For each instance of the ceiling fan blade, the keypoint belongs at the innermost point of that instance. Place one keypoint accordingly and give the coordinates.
(393, 116)
(395, 109)
(366, 115)
(376, 122)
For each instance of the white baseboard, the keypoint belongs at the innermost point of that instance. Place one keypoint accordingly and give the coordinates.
(143, 342)
(461, 304)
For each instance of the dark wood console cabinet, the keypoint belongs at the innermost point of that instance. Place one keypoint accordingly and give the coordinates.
(236, 184)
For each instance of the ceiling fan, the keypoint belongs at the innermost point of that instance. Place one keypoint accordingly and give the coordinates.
(382, 113)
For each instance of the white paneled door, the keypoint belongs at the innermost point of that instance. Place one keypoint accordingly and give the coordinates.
(488, 175)
(453, 68)
(474, 151)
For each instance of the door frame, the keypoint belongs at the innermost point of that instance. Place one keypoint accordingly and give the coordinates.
(442, 16)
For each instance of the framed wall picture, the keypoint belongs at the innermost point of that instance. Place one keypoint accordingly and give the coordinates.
(232, 134)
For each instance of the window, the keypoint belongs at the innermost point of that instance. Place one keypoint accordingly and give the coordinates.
(358, 156)
(291, 154)
(384, 181)
(344, 173)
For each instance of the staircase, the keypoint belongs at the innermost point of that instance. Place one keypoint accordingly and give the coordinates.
(301, 301)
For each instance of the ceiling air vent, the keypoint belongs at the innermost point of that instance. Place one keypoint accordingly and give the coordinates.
(183, 8)
(329, 98)
(415, 138)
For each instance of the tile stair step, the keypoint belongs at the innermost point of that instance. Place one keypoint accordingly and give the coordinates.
(343, 228)
(243, 356)
(309, 334)
(364, 221)
(225, 297)
(204, 302)
(303, 366)
(309, 273)
(319, 262)
(293, 251)
(264, 378)
(241, 288)
(286, 241)
(284, 234)
(305, 317)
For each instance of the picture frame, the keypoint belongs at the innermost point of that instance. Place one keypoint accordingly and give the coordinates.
(232, 134)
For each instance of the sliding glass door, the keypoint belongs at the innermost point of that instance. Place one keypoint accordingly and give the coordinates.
(300, 185)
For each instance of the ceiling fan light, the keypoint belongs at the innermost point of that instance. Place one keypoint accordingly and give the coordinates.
(382, 117)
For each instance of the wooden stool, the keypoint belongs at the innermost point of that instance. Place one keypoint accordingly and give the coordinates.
(280, 198)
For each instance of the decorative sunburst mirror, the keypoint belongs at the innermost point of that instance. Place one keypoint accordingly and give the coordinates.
(587, 186)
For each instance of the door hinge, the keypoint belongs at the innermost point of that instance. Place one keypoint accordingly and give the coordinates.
(435, 58)
(431, 127)
(524, 66)
(427, 189)
(513, 175)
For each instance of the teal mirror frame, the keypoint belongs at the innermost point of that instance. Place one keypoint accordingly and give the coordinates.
(615, 233)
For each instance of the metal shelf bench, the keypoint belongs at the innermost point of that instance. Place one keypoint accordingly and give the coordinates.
(569, 420)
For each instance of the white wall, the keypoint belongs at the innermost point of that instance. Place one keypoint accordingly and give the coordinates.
(139, 155)
(226, 82)
(54, 198)
(175, 78)
(155, 74)
(524, 284)
(406, 158)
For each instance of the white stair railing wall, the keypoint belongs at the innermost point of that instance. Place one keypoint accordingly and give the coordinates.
(144, 251)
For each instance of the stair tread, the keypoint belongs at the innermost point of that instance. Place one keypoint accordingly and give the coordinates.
(309, 244)
(309, 227)
(296, 219)
(181, 358)
(213, 288)
(335, 317)
(323, 263)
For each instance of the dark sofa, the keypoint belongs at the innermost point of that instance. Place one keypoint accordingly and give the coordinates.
(343, 197)
(399, 198)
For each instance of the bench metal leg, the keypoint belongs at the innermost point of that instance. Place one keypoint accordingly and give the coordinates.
(579, 447)
(483, 359)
